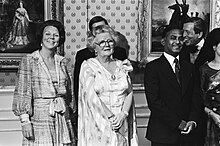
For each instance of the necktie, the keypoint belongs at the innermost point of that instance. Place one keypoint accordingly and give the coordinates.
(177, 69)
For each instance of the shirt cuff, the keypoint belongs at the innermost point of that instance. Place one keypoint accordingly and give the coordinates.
(194, 123)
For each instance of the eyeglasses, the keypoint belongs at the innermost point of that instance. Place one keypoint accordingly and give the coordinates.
(103, 43)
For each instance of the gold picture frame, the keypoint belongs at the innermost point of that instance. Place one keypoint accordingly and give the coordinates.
(151, 7)
(215, 14)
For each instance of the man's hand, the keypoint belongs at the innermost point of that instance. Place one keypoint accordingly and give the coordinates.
(189, 127)
(182, 125)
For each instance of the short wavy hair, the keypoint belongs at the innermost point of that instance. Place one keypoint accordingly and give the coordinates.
(199, 25)
(53, 23)
(105, 29)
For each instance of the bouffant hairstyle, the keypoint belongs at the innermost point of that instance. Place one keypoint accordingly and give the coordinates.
(207, 52)
(213, 37)
(106, 29)
(53, 23)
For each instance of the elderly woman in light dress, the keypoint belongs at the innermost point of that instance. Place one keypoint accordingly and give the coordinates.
(106, 115)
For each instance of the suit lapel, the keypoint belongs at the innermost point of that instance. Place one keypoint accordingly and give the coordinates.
(185, 75)
(168, 73)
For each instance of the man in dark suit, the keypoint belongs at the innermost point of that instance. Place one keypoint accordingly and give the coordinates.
(195, 51)
(194, 33)
(95, 25)
(172, 92)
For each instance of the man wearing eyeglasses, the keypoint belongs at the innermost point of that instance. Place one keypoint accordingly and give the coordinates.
(96, 25)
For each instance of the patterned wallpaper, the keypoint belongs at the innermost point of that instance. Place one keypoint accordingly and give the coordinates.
(129, 17)
(7, 79)
(120, 14)
(75, 21)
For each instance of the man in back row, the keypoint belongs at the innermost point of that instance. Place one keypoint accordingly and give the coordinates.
(195, 51)
(194, 34)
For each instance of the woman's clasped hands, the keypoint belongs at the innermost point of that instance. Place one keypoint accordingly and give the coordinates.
(117, 120)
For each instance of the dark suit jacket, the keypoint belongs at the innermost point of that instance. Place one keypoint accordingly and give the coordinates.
(86, 53)
(205, 54)
(169, 102)
(185, 53)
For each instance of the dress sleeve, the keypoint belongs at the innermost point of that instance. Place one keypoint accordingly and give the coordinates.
(203, 84)
(127, 68)
(22, 102)
(71, 101)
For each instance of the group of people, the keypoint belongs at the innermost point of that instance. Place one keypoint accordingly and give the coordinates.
(101, 112)
(182, 87)
(97, 107)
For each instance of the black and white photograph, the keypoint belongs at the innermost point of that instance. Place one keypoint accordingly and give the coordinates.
(109, 72)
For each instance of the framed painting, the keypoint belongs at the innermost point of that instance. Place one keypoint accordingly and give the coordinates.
(215, 14)
(160, 13)
(19, 22)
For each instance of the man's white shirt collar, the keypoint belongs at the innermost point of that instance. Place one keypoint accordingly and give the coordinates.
(170, 59)
(200, 44)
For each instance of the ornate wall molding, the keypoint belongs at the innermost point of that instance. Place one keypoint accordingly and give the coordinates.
(10, 62)
(215, 14)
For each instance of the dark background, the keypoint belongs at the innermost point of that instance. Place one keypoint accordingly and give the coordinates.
(35, 9)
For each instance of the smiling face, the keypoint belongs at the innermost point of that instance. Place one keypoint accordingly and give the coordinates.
(190, 36)
(173, 42)
(104, 44)
(50, 38)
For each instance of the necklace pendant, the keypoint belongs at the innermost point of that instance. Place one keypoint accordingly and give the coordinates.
(113, 77)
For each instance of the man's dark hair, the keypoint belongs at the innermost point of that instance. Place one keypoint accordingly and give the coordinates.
(199, 25)
(95, 20)
(169, 28)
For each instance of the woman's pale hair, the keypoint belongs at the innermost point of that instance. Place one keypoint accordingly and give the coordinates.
(91, 40)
